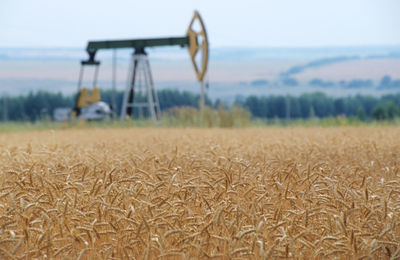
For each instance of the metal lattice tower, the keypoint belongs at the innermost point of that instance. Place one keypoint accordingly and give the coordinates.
(140, 93)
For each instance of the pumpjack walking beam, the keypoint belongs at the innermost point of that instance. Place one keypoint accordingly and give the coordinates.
(195, 40)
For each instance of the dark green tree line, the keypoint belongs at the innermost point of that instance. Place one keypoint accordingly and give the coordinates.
(40, 105)
(320, 105)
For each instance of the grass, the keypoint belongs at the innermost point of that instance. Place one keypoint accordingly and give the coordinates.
(47, 125)
(236, 117)
(174, 123)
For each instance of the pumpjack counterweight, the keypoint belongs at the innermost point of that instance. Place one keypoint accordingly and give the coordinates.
(195, 41)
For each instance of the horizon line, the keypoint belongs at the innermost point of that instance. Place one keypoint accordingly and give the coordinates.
(392, 45)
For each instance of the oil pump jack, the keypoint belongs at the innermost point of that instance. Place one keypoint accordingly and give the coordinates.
(89, 105)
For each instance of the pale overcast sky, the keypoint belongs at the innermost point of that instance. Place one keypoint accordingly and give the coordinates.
(250, 23)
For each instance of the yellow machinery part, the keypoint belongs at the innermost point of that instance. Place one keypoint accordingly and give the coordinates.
(84, 99)
(95, 96)
(195, 45)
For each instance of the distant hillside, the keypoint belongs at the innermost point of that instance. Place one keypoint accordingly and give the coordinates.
(233, 71)
(217, 54)
(329, 61)
(316, 64)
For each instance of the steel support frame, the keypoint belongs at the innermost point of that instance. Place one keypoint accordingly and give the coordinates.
(140, 64)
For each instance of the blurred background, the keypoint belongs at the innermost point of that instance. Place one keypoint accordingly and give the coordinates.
(277, 59)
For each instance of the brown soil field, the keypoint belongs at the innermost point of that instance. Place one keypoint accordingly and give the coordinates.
(300, 193)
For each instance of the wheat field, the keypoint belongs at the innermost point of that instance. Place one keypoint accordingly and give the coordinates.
(268, 193)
